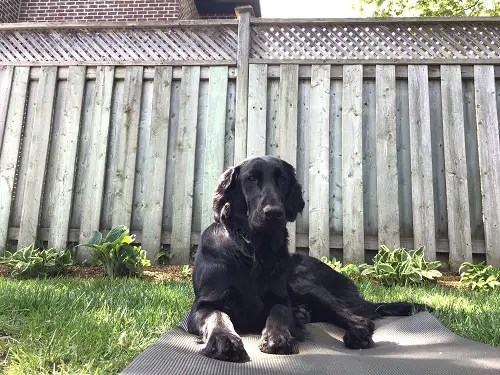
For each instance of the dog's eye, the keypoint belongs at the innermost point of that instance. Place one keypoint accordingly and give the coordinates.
(251, 178)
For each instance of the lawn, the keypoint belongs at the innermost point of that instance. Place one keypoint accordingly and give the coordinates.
(96, 326)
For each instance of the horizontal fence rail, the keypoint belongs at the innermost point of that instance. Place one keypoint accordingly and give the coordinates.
(404, 154)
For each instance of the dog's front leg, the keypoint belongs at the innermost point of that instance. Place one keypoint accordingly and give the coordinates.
(217, 332)
(276, 336)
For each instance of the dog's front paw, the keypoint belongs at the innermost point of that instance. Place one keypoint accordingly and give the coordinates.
(301, 315)
(225, 346)
(276, 341)
(360, 336)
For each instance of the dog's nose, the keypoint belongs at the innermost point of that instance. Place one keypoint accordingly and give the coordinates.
(273, 212)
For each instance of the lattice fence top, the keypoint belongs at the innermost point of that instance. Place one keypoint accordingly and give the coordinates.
(127, 45)
(376, 41)
(271, 41)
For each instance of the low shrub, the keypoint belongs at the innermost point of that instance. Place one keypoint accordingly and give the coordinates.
(31, 261)
(117, 254)
(350, 270)
(479, 276)
(401, 267)
(187, 271)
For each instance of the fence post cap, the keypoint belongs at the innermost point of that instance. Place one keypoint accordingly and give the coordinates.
(244, 9)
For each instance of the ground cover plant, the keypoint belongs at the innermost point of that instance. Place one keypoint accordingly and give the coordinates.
(479, 276)
(31, 261)
(117, 254)
(98, 325)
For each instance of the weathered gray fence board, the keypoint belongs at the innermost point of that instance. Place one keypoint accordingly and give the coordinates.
(257, 101)
(94, 179)
(184, 169)
(369, 156)
(6, 76)
(272, 132)
(10, 148)
(140, 164)
(489, 159)
(202, 132)
(336, 157)
(471, 149)
(404, 163)
(303, 152)
(437, 143)
(352, 164)
(287, 126)
(214, 144)
(456, 172)
(39, 147)
(83, 154)
(50, 168)
(422, 182)
(156, 162)
(127, 144)
(387, 169)
(319, 228)
(229, 125)
(65, 159)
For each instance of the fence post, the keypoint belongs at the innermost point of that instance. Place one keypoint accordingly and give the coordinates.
(244, 13)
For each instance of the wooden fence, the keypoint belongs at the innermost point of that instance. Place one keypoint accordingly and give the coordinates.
(392, 126)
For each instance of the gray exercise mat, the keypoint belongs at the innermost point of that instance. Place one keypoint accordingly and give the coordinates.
(413, 345)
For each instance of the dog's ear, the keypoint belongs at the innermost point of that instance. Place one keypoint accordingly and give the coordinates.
(223, 193)
(294, 202)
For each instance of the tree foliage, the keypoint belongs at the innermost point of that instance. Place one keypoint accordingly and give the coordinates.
(429, 8)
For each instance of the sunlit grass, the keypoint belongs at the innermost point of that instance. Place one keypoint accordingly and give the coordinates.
(97, 326)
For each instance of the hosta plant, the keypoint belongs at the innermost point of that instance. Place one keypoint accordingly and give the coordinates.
(117, 254)
(349, 270)
(31, 261)
(479, 276)
(401, 267)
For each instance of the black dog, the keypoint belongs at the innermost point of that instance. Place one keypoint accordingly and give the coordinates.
(245, 280)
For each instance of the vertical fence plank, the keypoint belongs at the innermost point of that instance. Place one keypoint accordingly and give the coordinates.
(336, 157)
(244, 14)
(257, 103)
(156, 162)
(10, 147)
(457, 194)
(319, 229)
(352, 168)
(489, 158)
(214, 143)
(424, 228)
(184, 169)
(128, 134)
(94, 182)
(39, 146)
(287, 125)
(65, 159)
(6, 75)
(387, 163)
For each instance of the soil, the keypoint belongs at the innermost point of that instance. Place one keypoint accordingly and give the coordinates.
(174, 273)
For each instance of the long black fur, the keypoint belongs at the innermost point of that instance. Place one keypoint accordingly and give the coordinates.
(244, 277)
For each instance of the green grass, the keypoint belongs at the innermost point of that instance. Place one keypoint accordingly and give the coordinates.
(73, 326)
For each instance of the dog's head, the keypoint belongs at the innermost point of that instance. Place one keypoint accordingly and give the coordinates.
(264, 190)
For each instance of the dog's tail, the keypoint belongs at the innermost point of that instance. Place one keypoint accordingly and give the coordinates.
(397, 309)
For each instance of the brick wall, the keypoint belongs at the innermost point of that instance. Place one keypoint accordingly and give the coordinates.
(98, 10)
(9, 10)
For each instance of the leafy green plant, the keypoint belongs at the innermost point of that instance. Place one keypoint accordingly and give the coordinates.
(164, 255)
(31, 261)
(187, 271)
(401, 267)
(479, 276)
(349, 270)
(117, 254)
